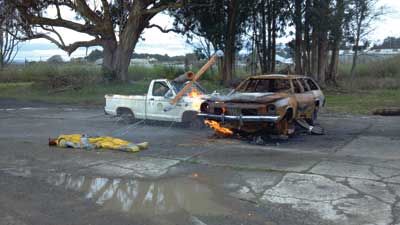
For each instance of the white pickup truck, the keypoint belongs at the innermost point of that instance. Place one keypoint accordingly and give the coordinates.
(153, 105)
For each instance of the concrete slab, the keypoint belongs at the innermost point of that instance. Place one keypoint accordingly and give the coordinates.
(374, 147)
(261, 159)
(146, 166)
(344, 169)
(107, 170)
(331, 200)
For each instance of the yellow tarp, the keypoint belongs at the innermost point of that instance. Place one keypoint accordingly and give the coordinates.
(84, 141)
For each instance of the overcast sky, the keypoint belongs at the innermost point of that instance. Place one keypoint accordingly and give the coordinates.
(173, 44)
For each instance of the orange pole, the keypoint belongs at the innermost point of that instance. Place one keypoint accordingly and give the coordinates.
(198, 75)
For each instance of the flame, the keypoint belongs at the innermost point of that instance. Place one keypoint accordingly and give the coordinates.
(217, 127)
(195, 95)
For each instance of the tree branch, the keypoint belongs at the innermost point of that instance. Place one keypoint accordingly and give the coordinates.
(163, 29)
(68, 48)
(86, 12)
(38, 20)
(55, 32)
(106, 8)
(163, 6)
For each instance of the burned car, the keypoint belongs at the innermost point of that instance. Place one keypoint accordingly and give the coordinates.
(270, 103)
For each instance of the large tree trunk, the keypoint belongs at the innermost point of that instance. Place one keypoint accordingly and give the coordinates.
(116, 59)
(273, 46)
(1, 50)
(269, 25)
(298, 36)
(307, 40)
(263, 50)
(354, 64)
(230, 44)
(333, 71)
(117, 55)
(314, 54)
(356, 48)
(337, 38)
(227, 66)
(322, 61)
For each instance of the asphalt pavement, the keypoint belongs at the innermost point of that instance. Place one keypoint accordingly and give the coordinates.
(350, 175)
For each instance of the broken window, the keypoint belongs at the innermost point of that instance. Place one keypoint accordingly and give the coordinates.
(312, 85)
(160, 89)
(265, 85)
(296, 85)
(304, 84)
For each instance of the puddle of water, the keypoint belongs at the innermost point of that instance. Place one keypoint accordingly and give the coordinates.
(144, 197)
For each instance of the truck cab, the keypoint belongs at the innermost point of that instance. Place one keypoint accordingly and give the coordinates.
(155, 105)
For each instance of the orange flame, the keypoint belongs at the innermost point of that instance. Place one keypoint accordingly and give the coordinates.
(217, 127)
(195, 95)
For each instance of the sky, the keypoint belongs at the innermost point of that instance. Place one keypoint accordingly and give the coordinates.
(156, 42)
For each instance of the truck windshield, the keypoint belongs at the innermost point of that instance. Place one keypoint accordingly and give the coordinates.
(196, 87)
(264, 85)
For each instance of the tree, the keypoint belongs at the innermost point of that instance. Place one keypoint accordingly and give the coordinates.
(336, 39)
(94, 55)
(363, 14)
(8, 36)
(221, 23)
(56, 59)
(268, 19)
(114, 25)
(388, 43)
(318, 29)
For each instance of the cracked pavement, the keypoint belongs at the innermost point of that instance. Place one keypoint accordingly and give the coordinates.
(351, 175)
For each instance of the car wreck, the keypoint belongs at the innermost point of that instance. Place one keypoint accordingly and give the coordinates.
(266, 103)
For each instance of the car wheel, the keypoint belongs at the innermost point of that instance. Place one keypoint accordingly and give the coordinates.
(313, 120)
(287, 125)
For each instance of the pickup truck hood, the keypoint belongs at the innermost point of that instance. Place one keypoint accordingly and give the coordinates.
(249, 97)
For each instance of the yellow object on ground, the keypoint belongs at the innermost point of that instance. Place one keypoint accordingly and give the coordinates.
(86, 142)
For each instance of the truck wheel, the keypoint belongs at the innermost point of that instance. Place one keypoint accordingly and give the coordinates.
(197, 123)
(126, 115)
(190, 120)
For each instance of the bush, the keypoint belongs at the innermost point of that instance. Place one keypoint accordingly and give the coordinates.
(137, 73)
(55, 59)
(383, 74)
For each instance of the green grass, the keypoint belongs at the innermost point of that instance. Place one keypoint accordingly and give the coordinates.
(93, 95)
(377, 84)
(362, 102)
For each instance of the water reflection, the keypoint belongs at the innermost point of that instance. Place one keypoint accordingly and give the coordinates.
(145, 197)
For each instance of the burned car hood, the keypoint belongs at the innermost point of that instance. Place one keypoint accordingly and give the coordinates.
(249, 97)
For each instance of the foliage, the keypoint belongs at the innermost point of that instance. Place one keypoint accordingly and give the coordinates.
(389, 43)
(382, 74)
(9, 43)
(55, 59)
(114, 25)
(94, 55)
(221, 24)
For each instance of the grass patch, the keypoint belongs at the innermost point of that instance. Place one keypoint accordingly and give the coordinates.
(362, 102)
(92, 95)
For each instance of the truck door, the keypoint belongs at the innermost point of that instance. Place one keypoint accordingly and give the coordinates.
(305, 99)
(161, 95)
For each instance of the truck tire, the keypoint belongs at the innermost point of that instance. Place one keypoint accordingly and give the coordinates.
(126, 115)
(190, 120)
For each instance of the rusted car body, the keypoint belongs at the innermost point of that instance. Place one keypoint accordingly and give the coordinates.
(269, 103)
